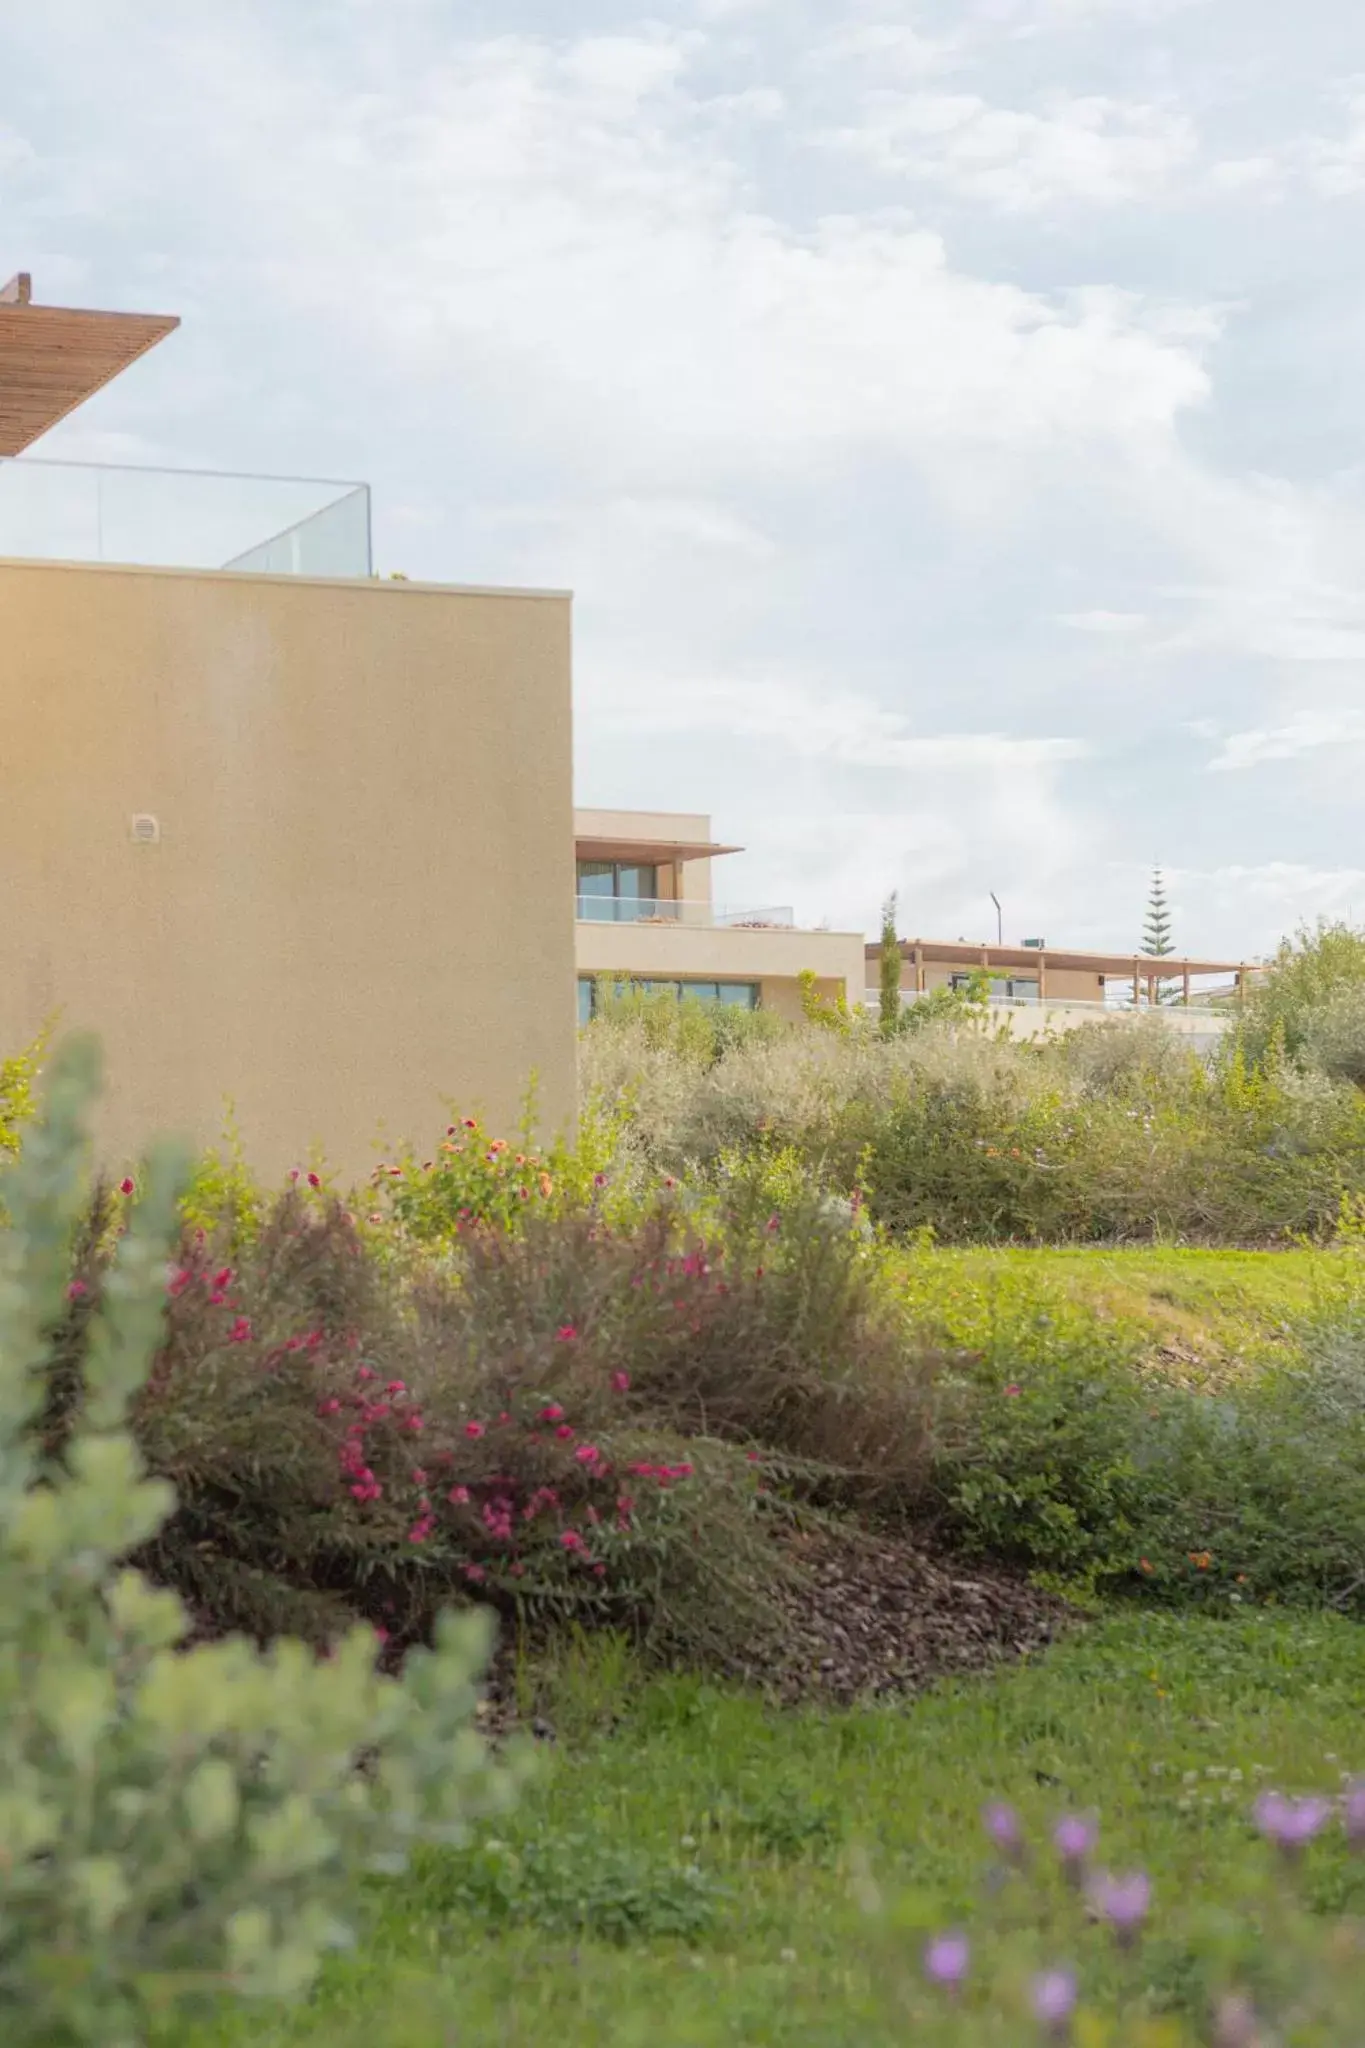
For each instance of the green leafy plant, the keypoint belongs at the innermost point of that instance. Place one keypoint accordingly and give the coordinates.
(175, 1824)
(18, 1078)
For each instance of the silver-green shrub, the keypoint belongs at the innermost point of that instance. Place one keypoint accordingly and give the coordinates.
(176, 1825)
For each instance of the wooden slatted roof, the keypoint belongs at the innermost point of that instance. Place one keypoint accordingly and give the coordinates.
(52, 358)
(1163, 967)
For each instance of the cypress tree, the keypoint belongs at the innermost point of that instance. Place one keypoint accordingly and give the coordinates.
(890, 1011)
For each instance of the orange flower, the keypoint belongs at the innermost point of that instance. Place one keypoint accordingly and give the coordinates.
(1201, 1559)
(1145, 1565)
(547, 1186)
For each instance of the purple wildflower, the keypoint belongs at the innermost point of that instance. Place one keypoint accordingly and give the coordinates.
(1001, 1823)
(1073, 1838)
(946, 1959)
(1355, 1814)
(1054, 2000)
(1234, 2024)
(1291, 1823)
(1123, 1902)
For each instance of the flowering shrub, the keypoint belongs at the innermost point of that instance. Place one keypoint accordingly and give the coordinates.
(473, 1178)
(174, 1824)
(1064, 1947)
(17, 1077)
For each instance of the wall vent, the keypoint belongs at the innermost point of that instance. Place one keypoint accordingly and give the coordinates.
(146, 830)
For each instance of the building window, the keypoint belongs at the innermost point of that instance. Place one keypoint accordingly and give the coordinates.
(617, 891)
(742, 995)
(1014, 988)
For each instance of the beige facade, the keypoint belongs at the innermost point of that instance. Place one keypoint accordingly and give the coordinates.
(348, 905)
(670, 930)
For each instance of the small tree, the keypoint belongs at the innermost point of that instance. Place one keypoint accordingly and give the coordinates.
(1157, 942)
(890, 969)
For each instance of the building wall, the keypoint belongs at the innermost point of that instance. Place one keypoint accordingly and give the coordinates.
(686, 881)
(775, 958)
(360, 905)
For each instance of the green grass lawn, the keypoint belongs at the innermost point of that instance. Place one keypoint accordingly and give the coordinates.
(1199, 1315)
(699, 1873)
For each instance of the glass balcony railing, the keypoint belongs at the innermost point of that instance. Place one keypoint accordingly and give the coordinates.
(670, 910)
(182, 519)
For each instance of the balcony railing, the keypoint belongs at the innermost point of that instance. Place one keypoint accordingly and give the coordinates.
(1217, 1009)
(672, 910)
(183, 519)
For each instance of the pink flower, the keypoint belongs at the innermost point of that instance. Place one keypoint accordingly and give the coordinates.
(566, 1333)
(314, 1180)
(127, 1185)
(77, 1290)
(240, 1333)
(564, 1432)
(381, 1634)
(293, 1173)
(599, 1180)
(571, 1540)
(329, 1407)
(364, 1372)
(474, 1429)
(621, 1382)
(587, 1454)
(1014, 1388)
(395, 1387)
(179, 1280)
(458, 1496)
(475, 1572)
(552, 1412)
(421, 1529)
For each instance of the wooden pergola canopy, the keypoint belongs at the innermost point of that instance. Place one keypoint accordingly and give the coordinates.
(648, 852)
(52, 358)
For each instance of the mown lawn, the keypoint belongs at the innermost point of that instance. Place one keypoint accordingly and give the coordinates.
(693, 1874)
(1198, 1315)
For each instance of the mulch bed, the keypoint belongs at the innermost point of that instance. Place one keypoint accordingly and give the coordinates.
(882, 1617)
(874, 1618)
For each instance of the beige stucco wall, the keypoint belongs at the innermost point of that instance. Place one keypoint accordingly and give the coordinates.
(774, 957)
(361, 903)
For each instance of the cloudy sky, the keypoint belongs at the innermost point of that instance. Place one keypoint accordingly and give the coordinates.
(950, 417)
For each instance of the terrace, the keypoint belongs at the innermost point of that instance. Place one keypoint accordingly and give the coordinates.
(52, 359)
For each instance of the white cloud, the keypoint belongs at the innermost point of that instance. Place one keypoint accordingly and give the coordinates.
(1116, 624)
(1263, 174)
(1090, 151)
(841, 728)
(1304, 735)
(1335, 165)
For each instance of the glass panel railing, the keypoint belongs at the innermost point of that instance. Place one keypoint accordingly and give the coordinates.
(182, 519)
(594, 909)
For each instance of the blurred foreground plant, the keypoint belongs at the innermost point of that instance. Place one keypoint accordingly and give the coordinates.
(1067, 1950)
(174, 1824)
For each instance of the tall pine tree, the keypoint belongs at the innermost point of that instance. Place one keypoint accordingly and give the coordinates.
(1156, 933)
(890, 1008)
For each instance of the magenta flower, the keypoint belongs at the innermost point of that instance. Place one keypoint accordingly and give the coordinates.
(1291, 1823)
(946, 1959)
(1123, 1902)
(621, 1382)
(474, 1429)
(1054, 2000)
